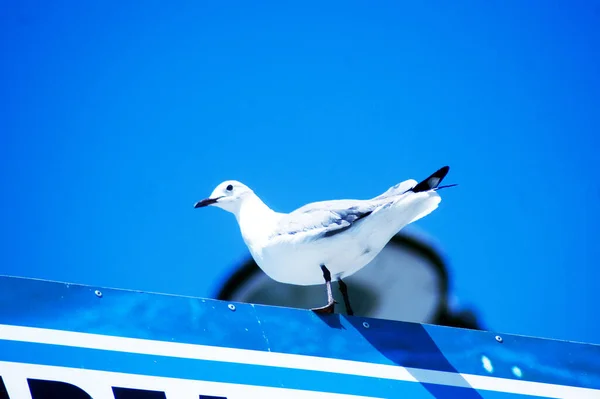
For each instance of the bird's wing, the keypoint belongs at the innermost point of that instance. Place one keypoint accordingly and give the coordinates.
(328, 218)
(398, 189)
(324, 219)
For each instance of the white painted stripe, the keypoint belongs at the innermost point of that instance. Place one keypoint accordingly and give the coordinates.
(291, 361)
(99, 384)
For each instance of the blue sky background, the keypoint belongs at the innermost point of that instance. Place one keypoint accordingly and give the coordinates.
(115, 117)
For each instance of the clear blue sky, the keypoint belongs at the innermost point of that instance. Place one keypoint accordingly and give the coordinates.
(115, 117)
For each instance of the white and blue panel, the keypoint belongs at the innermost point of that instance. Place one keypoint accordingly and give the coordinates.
(68, 341)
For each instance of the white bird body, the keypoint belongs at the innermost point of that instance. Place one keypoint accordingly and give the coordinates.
(343, 235)
(296, 259)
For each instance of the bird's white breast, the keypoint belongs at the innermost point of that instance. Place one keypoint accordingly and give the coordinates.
(290, 259)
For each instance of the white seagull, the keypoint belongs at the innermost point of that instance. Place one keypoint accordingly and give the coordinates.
(329, 240)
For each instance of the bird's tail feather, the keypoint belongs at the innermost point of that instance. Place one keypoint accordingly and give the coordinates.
(424, 198)
(411, 185)
(413, 200)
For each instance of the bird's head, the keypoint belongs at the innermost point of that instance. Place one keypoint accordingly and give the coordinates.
(228, 195)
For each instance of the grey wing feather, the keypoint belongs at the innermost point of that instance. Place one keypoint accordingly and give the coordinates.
(324, 219)
(328, 218)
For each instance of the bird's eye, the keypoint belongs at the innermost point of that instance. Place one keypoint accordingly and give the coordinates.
(229, 187)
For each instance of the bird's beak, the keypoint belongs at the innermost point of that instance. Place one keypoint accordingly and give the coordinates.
(206, 202)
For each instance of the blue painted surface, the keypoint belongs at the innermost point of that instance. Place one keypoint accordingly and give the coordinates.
(230, 373)
(38, 303)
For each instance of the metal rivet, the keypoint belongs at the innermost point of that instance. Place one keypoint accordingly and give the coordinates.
(231, 307)
(366, 325)
(98, 293)
(499, 338)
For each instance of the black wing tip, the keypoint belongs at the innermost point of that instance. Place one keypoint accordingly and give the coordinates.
(433, 181)
(441, 172)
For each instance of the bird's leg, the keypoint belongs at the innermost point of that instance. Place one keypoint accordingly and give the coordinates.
(344, 290)
(330, 302)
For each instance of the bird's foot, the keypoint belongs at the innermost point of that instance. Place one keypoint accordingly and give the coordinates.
(327, 309)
